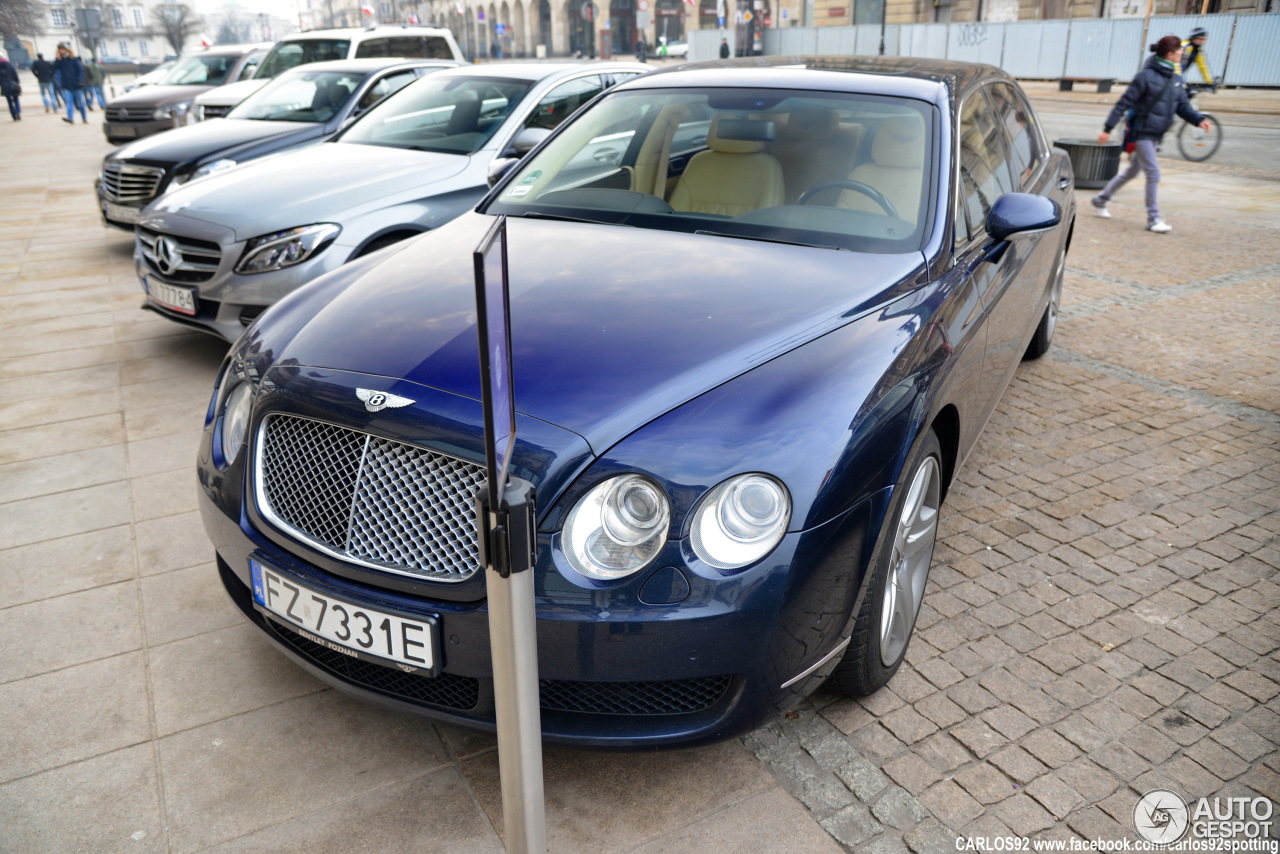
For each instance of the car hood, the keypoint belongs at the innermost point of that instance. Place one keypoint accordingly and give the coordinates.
(611, 326)
(194, 141)
(321, 183)
(232, 93)
(158, 96)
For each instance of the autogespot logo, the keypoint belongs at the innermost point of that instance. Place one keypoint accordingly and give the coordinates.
(1161, 817)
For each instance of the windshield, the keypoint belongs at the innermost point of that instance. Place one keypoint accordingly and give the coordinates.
(200, 70)
(286, 55)
(454, 115)
(300, 96)
(829, 169)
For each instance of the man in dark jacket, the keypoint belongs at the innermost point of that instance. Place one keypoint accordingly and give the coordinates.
(11, 87)
(70, 73)
(43, 70)
(1153, 100)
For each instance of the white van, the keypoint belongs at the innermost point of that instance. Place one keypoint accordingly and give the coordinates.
(389, 40)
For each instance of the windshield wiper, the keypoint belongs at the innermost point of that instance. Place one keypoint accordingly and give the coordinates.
(566, 218)
(772, 240)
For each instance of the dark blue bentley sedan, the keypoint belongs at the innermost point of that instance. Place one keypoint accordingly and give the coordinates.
(760, 314)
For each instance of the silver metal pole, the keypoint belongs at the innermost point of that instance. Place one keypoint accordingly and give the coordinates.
(515, 690)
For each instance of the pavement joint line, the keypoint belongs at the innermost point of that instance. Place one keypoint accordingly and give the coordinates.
(1143, 294)
(1216, 403)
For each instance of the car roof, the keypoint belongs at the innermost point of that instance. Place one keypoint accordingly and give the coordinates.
(353, 32)
(540, 70)
(368, 65)
(904, 76)
(230, 49)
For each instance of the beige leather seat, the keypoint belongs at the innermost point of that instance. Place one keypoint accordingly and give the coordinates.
(896, 168)
(734, 176)
(813, 148)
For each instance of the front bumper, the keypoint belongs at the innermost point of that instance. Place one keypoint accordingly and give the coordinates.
(118, 132)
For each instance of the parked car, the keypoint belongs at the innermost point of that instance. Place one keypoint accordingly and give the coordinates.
(399, 40)
(307, 104)
(759, 317)
(213, 254)
(674, 49)
(167, 104)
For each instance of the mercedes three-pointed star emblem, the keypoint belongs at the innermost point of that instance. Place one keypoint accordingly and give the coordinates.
(168, 255)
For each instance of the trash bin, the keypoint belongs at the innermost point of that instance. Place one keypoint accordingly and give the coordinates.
(1093, 164)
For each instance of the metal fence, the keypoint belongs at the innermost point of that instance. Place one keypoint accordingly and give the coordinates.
(1241, 48)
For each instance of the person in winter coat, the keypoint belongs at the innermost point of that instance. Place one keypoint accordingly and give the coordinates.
(95, 75)
(1193, 54)
(71, 77)
(1155, 97)
(43, 70)
(11, 87)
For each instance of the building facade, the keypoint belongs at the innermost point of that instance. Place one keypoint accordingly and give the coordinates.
(126, 33)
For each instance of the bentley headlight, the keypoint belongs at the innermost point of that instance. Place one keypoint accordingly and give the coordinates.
(617, 527)
(235, 420)
(740, 521)
(286, 248)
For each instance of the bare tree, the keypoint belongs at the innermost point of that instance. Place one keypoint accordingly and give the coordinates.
(176, 21)
(233, 26)
(21, 18)
(91, 25)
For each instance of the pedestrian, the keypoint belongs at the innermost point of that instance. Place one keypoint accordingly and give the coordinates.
(1193, 54)
(495, 49)
(725, 52)
(43, 70)
(71, 78)
(1150, 104)
(642, 48)
(95, 75)
(11, 87)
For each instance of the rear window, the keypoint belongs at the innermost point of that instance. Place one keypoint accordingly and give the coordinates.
(288, 55)
(409, 47)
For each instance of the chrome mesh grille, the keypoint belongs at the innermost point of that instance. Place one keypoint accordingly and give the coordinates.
(122, 182)
(369, 500)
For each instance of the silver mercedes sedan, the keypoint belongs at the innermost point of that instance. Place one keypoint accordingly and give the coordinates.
(215, 253)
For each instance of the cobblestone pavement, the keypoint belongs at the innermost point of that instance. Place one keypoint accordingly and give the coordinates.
(1101, 618)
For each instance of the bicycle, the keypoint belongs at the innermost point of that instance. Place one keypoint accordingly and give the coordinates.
(1195, 143)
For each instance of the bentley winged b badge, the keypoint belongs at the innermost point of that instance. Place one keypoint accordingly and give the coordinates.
(376, 401)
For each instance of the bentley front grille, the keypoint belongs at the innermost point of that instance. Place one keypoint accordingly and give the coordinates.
(369, 500)
(179, 259)
(129, 184)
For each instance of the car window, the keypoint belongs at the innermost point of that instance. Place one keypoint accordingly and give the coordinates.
(200, 70)
(300, 96)
(286, 55)
(385, 86)
(813, 168)
(454, 115)
(984, 170)
(410, 47)
(564, 100)
(251, 66)
(1018, 121)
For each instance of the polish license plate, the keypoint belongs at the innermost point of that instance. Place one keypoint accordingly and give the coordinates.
(171, 296)
(120, 131)
(120, 213)
(342, 626)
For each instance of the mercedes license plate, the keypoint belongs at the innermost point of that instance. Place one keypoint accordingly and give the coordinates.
(120, 213)
(171, 296)
(343, 626)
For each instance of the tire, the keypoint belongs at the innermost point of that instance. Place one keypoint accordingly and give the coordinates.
(1043, 335)
(899, 571)
(1196, 144)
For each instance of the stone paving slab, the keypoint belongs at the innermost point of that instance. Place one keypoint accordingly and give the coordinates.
(1101, 619)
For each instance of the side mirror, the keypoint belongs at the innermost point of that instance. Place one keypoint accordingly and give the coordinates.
(526, 140)
(498, 168)
(1021, 215)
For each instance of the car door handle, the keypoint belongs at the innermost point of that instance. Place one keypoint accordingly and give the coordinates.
(1064, 183)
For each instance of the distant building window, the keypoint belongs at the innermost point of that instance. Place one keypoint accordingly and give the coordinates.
(124, 48)
(144, 49)
(59, 17)
(137, 18)
(117, 17)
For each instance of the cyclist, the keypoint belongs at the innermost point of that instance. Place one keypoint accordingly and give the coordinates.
(1193, 54)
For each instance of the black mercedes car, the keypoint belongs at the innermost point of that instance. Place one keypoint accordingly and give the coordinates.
(308, 104)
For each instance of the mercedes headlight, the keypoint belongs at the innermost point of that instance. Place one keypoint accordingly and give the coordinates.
(617, 528)
(740, 521)
(286, 248)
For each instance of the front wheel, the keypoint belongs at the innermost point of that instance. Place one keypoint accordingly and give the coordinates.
(899, 571)
(1197, 144)
(1043, 335)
